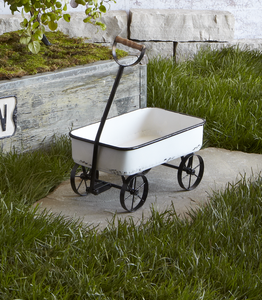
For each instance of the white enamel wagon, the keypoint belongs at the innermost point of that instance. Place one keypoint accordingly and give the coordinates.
(131, 144)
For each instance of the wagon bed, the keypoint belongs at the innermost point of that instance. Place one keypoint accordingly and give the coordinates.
(138, 140)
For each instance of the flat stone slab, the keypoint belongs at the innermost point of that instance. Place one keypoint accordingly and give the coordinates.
(181, 25)
(248, 44)
(185, 50)
(115, 21)
(159, 49)
(10, 23)
(221, 167)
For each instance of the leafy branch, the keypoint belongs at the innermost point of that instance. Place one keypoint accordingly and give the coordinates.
(41, 13)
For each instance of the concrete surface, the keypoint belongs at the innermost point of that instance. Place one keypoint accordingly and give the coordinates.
(221, 167)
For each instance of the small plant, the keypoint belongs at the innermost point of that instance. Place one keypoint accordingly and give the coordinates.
(47, 13)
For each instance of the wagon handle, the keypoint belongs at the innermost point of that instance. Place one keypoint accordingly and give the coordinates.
(142, 50)
(130, 44)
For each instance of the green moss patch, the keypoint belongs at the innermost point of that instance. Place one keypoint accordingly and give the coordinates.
(17, 61)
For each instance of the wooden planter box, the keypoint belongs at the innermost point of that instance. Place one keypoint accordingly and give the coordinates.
(56, 102)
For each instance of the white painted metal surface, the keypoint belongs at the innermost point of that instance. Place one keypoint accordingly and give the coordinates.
(139, 140)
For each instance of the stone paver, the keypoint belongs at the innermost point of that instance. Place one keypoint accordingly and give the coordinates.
(221, 167)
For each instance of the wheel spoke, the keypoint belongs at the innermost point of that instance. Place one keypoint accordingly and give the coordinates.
(80, 184)
(135, 183)
(128, 196)
(137, 189)
(139, 197)
(196, 166)
(185, 176)
(189, 183)
(133, 200)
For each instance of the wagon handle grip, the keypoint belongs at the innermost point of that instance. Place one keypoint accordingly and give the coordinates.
(131, 44)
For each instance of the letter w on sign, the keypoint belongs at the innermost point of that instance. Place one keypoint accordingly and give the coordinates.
(7, 116)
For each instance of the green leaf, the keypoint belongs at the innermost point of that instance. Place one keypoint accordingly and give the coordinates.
(42, 28)
(27, 8)
(35, 25)
(34, 47)
(36, 13)
(13, 7)
(58, 13)
(45, 19)
(48, 4)
(52, 16)
(95, 14)
(25, 40)
(52, 25)
(58, 4)
(24, 23)
(66, 17)
(102, 8)
(37, 4)
(82, 2)
(87, 20)
(38, 35)
(22, 13)
(88, 10)
(32, 18)
(102, 25)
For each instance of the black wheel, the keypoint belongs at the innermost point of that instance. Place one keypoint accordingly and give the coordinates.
(190, 171)
(80, 179)
(134, 192)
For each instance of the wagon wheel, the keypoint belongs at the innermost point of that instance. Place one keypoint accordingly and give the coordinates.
(79, 178)
(134, 192)
(190, 171)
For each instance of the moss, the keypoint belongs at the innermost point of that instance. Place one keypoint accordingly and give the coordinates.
(17, 61)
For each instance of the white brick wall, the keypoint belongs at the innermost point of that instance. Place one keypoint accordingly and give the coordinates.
(247, 13)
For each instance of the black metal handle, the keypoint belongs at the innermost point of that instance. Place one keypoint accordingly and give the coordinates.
(131, 44)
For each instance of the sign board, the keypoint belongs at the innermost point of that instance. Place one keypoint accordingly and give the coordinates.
(7, 116)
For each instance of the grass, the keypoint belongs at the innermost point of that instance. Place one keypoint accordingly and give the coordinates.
(17, 61)
(213, 253)
(27, 177)
(224, 87)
